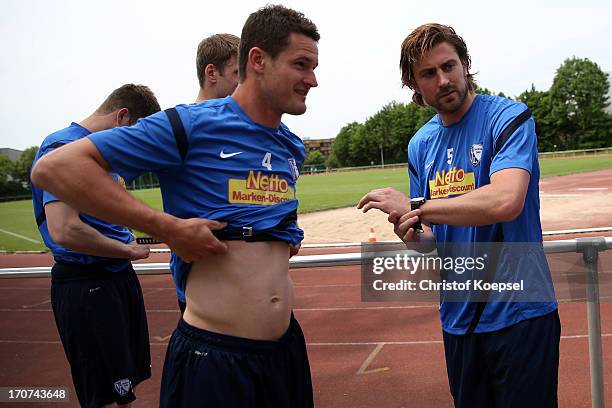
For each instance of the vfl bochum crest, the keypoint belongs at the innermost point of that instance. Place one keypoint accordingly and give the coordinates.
(475, 153)
(295, 173)
(123, 386)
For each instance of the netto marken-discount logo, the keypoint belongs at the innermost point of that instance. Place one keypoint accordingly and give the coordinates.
(259, 188)
(452, 182)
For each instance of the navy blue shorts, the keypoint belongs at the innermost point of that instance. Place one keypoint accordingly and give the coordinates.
(513, 367)
(101, 320)
(205, 369)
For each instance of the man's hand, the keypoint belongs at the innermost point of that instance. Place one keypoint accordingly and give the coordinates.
(294, 249)
(138, 251)
(192, 239)
(385, 199)
(402, 224)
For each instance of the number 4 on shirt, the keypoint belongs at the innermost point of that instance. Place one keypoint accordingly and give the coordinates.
(267, 161)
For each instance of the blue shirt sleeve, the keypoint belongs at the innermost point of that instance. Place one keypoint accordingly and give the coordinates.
(520, 150)
(48, 198)
(147, 146)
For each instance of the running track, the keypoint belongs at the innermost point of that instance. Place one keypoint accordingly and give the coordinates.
(361, 354)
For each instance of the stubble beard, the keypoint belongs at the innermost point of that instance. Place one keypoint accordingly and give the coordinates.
(452, 107)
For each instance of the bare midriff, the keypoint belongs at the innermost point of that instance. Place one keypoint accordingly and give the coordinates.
(246, 292)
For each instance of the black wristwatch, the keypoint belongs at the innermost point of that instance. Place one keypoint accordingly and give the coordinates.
(416, 203)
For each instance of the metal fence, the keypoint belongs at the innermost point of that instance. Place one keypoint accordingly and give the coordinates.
(321, 169)
(588, 247)
(576, 153)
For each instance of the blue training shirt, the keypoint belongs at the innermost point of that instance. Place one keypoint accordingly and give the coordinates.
(447, 161)
(234, 171)
(40, 198)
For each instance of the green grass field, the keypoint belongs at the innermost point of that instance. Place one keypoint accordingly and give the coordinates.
(316, 193)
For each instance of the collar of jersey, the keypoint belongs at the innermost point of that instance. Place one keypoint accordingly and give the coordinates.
(465, 117)
(80, 127)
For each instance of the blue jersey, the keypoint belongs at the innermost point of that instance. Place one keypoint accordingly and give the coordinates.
(448, 161)
(40, 198)
(235, 170)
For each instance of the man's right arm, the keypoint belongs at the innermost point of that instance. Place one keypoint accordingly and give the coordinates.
(67, 229)
(78, 175)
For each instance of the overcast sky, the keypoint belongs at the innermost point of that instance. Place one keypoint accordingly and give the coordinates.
(61, 58)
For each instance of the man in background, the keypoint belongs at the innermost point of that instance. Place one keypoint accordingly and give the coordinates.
(95, 294)
(217, 69)
(217, 66)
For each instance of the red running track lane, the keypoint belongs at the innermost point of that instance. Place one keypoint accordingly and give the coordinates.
(362, 354)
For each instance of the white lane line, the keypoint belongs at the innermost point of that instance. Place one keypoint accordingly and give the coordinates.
(343, 309)
(365, 343)
(20, 236)
(561, 195)
(577, 231)
(317, 309)
(36, 304)
(165, 338)
(592, 189)
(363, 369)
(420, 342)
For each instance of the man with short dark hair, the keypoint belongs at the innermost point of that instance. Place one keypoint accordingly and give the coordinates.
(217, 66)
(474, 173)
(227, 170)
(96, 297)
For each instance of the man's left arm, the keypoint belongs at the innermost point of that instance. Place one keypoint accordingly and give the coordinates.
(500, 201)
(515, 156)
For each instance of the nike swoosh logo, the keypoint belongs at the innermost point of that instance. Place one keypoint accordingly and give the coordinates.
(428, 165)
(224, 155)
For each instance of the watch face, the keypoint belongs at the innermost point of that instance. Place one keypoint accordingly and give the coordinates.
(417, 202)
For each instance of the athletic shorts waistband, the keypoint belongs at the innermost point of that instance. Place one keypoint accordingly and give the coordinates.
(237, 344)
(63, 271)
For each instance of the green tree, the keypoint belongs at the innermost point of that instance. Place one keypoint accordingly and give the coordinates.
(314, 158)
(578, 98)
(332, 161)
(540, 106)
(23, 165)
(391, 129)
(8, 185)
(359, 148)
(6, 171)
(342, 142)
(487, 91)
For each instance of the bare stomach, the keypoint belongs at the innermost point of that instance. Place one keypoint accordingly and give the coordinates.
(245, 293)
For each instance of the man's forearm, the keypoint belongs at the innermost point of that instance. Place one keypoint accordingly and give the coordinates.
(483, 206)
(80, 180)
(500, 201)
(87, 240)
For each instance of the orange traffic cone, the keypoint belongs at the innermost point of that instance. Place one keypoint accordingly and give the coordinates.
(372, 235)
